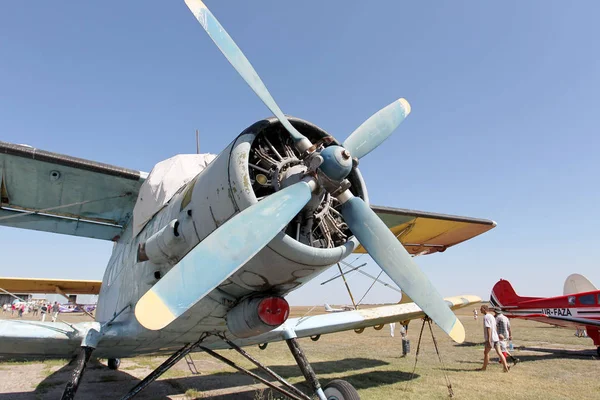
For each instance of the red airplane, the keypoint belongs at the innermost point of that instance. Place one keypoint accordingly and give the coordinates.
(575, 309)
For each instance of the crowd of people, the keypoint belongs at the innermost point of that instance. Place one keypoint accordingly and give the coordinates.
(36, 309)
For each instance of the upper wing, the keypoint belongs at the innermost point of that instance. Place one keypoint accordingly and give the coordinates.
(425, 233)
(56, 193)
(34, 285)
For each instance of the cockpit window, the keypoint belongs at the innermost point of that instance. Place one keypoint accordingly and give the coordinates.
(571, 300)
(587, 299)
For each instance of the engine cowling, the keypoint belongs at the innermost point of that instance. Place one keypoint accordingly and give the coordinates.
(259, 162)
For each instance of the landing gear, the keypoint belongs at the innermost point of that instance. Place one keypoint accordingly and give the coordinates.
(84, 355)
(114, 363)
(89, 342)
(169, 362)
(340, 390)
(598, 351)
(335, 390)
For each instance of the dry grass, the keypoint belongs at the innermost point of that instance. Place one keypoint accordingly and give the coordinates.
(563, 366)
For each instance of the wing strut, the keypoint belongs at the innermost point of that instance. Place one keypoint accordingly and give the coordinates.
(347, 287)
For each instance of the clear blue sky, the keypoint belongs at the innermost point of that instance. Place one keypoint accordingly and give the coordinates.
(504, 125)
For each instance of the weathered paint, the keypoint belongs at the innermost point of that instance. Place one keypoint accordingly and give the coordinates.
(377, 128)
(218, 256)
(241, 64)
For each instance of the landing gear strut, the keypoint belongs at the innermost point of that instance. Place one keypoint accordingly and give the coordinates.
(335, 390)
(88, 344)
(77, 374)
(162, 368)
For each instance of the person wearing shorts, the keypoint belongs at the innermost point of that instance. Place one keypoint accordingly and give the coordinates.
(490, 336)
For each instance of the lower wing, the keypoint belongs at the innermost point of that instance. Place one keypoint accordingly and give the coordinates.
(27, 339)
(357, 319)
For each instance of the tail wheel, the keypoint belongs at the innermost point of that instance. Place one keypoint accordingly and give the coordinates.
(340, 390)
(114, 363)
(598, 350)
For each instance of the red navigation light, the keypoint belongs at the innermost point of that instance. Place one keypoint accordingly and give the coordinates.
(273, 311)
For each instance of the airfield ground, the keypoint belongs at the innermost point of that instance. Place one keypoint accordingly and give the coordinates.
(554, 365)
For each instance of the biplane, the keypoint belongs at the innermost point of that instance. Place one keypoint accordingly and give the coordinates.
(207, 247)
(578, 307)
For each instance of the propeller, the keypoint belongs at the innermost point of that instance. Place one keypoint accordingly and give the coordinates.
(241, 64)
(219, 255)
(229, 247)
(393, 258)
(377, 128)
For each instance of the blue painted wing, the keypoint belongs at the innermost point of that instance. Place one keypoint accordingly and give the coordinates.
(348, 320)
(75, 196)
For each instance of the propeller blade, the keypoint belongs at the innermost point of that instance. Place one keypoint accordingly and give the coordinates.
(393, 258)
(377, 128)
(219, 256)
(241, 64)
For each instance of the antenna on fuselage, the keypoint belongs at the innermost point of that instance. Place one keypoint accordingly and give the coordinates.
(197, 142)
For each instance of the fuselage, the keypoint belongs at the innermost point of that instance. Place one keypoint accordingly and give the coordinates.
(581, 305)
(577, 310)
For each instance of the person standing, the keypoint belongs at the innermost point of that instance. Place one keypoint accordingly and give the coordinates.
(490, 336)
(475, 314)
(503, 325)
(43, 311)
(55, 310)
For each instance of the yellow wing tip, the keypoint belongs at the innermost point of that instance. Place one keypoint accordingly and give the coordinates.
(152, 313)
(458, 332)
(406, 105)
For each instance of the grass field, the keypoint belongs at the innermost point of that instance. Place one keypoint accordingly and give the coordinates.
(554, 365)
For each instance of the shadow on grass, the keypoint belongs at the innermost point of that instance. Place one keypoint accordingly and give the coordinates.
(100, 382)
(469, 344)
(546, 354)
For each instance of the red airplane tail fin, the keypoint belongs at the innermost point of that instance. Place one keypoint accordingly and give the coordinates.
(503, 294)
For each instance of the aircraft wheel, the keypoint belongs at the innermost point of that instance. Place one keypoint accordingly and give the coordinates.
(598, 351)
(340, 390)
(114, 363)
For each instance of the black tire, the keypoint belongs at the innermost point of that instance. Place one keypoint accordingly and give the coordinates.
(340, 390)
(114, 363)
(598, 350)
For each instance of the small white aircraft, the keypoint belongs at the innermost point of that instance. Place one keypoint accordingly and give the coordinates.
(328, 308)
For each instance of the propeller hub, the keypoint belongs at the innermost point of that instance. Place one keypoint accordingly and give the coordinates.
(337, 163)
